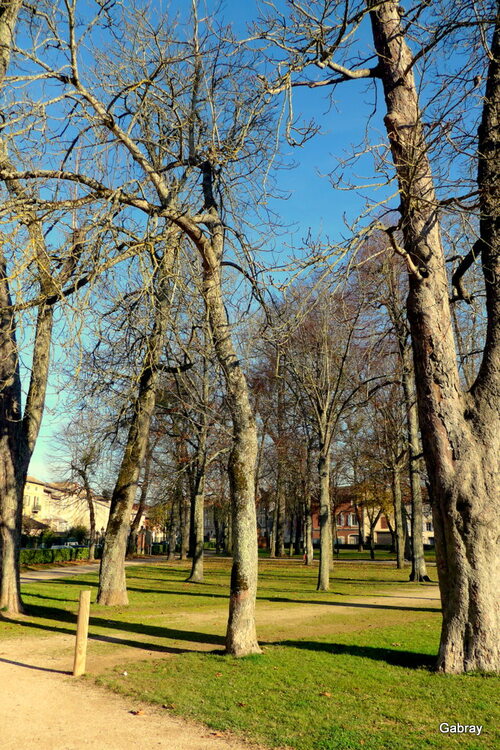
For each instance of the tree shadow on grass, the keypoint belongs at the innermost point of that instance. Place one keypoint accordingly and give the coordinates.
(408, 659)
(361, 605)
(141, 629)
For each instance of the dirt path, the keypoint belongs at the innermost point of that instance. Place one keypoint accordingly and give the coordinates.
(31, 574)
(42, 706)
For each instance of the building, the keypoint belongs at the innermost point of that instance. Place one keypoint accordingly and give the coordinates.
(59, 506)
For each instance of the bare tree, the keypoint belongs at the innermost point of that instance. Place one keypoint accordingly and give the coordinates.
(319, 356)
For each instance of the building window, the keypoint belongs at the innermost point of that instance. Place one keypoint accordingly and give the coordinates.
(353, 521)
(339, 519)
(428, 526)
(353, 539)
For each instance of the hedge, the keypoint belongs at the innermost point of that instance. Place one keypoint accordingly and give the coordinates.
(35, 556)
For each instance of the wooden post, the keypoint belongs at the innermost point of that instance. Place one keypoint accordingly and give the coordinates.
(82, 630)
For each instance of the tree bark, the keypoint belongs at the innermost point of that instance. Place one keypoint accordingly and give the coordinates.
(398, 517)
(17, 434)
(272, 550)
(280, 512)
(280, 479)
(90, 505)
(293, 531)
(172, 533)
(241, 636)
(325, 525)
(359, 517)
(308, 519)
(196, 575)
(10, 465)
(134, 528)
(185, 516)
(298, 531)
(460, 432)
(418, 567)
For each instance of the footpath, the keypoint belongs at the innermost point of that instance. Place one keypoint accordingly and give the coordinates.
(42, 705)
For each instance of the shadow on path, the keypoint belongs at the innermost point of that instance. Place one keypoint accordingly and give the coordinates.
(32, 666)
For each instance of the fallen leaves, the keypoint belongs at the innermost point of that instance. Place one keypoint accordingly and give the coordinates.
(138, 712)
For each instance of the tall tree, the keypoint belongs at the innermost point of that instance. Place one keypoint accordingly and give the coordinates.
(460, 428)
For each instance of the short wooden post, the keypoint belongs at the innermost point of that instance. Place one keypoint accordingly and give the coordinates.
(82, 630)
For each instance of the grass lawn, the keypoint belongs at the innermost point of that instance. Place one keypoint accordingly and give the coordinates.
(350, 668)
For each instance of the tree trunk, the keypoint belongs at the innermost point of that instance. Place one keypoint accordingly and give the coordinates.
(308, 519)
(219, 540)
(196, 575)
(418, 567)
(112, 582)
(280, 513)
(172, 534)
(407, 546)
(372, 545)
(241, 636)
(272, 550)
(359, 518)
(90, 504)
(308, 533)
(228, 536)
(281, 456)
(17, 435)
(298, 532)
(11, 438)
(393, 536)
(185, 516)
(460, 432)
(134, 528)
(325, 525)
(398, 517)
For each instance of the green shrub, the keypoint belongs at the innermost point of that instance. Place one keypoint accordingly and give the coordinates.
(37, 556)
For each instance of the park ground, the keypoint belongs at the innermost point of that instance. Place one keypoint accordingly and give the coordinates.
(350, 668)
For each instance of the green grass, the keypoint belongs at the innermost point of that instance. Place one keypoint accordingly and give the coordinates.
(323, 694)
(338, 670)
